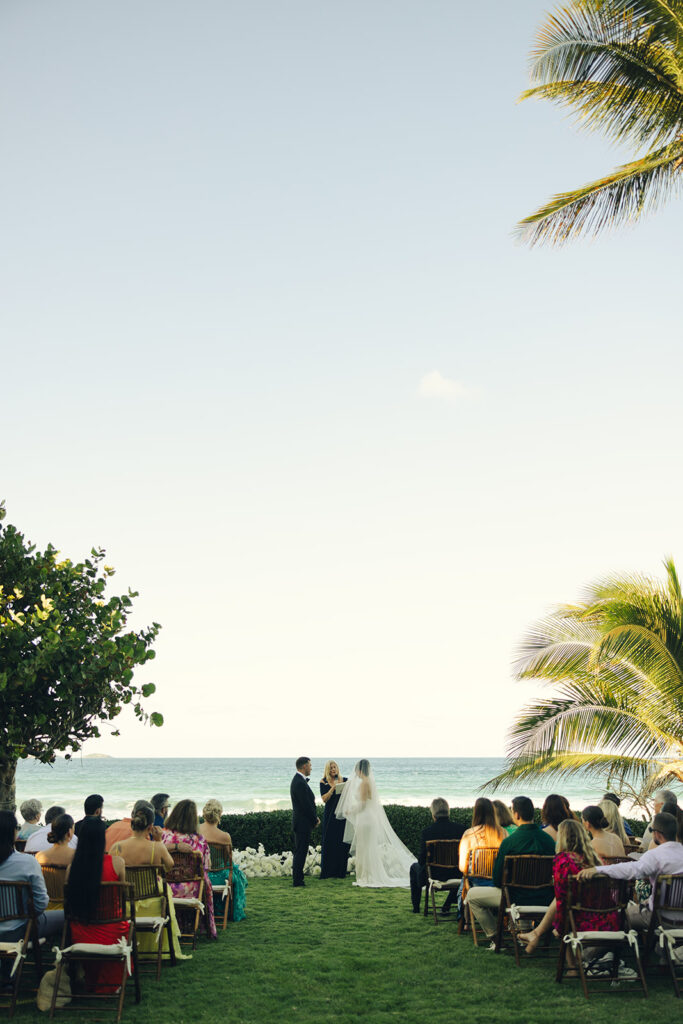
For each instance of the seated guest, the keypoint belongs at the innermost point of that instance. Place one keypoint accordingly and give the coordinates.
(213, 834)
(555, 810)
(92, 808)
(31, 811)
(605, 843)
(39, 841)
(617, 803)
(665, 859)
(484, 831)
(59, 853)
(503, 816)
(441, 828)
(121, 830)
(677, 813)
(22, 867)
(529, 838)
(90, 867)
(574, 852)
(138, 851)
(614, 823)
(661, 797)
(181, 830)
(161, 807)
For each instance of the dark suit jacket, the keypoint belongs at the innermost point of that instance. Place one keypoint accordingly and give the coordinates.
(304, 814)
(442, 828)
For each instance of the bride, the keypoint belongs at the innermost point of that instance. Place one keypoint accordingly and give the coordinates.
(381, 858)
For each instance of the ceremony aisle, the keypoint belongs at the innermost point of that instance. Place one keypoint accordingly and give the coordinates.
(333, 954)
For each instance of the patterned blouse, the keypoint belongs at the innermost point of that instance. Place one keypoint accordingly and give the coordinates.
(189, 889)
(565, 867)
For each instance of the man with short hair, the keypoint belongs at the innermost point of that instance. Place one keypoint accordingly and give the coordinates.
(92, 807)
(441, 828)
(528, 838)
(38, 841)
(161, 807)
(304, 818)
(661, 797)
(665, 859)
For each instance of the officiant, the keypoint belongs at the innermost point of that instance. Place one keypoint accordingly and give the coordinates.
(335, 852)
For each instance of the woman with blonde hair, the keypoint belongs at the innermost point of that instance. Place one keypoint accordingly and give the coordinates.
(574, 853)
(503, 816)
(484, 831)
(614, 822)
(335, 852)
(212, 813)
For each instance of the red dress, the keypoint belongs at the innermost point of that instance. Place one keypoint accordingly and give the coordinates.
(565, 867)
(103, 978)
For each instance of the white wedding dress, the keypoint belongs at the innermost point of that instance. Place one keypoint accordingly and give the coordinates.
(382, 861)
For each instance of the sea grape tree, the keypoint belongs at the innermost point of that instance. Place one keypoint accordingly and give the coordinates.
(66, 658)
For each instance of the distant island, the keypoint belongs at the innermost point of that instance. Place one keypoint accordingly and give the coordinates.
(98, 756)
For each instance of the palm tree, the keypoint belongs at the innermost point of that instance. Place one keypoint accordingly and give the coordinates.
(616, 664)
(619, 65)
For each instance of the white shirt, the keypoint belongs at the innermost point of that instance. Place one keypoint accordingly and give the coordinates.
(38, 841)
(666, 859)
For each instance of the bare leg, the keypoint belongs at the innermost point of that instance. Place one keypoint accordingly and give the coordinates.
(533, 937)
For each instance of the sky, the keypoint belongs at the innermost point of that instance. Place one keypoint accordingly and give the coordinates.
(267, 337)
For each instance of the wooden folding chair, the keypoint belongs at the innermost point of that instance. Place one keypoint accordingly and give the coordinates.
(667, 923)
(188, 869)
(54, 876)
(598, 895)
(221, 860)
(523, 876)
(115, 906)
(442, 860)
(149, 882)
(16, 902)
(479, 868)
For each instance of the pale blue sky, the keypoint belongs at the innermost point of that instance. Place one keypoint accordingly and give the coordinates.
(236, 239)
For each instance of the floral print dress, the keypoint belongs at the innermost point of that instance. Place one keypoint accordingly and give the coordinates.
(189, 889)
(565, 868)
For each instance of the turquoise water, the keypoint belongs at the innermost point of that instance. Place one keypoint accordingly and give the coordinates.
(259, 784)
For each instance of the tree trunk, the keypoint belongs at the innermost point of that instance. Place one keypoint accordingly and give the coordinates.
(8, 772)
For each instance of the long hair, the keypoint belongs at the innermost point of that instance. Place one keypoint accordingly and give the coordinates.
(572, 837)
(503, 816)
(326, 773)
(363, 767)
(183, 818)
(8, 831)
(484, 813)
(555, 810)
(616, 825)
(85, 875)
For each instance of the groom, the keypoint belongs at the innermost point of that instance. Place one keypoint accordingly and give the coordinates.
(304, 817)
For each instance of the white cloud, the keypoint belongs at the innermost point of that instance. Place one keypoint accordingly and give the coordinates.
(435, 385)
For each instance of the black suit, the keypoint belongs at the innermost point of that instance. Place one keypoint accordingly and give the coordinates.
(304, 820)
(442, 828)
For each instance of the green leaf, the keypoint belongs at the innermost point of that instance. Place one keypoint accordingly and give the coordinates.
(156, 718)
(148, 689)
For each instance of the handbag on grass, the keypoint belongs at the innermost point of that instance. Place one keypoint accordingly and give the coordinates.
(47, 986)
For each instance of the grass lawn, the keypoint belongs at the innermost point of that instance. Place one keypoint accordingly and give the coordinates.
(331, 952)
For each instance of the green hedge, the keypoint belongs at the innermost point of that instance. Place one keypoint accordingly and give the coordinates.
(274, 828)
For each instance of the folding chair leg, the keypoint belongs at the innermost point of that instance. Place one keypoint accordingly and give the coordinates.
(436, 920)
(171, 947)
(55, 990)
(582, 974)
(426, 911)
(473, 925)
(561, 963)
(672, 968)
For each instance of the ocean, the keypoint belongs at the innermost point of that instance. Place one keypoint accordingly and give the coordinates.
(262, 784)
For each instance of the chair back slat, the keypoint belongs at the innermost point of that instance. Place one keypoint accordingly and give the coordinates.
(54, 877)
(221, 856)
(480, 862)
(16, 901)
(597, 895)
(615, 860)
(187, 867)
(113, 905)
(668, 897)
(144, 880)
(528, 871)
(442, 853)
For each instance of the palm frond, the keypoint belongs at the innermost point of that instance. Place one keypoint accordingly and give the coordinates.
(566, 764)
(622, 196)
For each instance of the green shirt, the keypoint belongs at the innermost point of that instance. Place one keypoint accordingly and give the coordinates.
(527, 839)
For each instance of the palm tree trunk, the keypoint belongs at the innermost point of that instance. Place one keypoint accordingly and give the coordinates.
(8, 772)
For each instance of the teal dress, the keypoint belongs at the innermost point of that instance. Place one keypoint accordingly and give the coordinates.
(239, 891)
